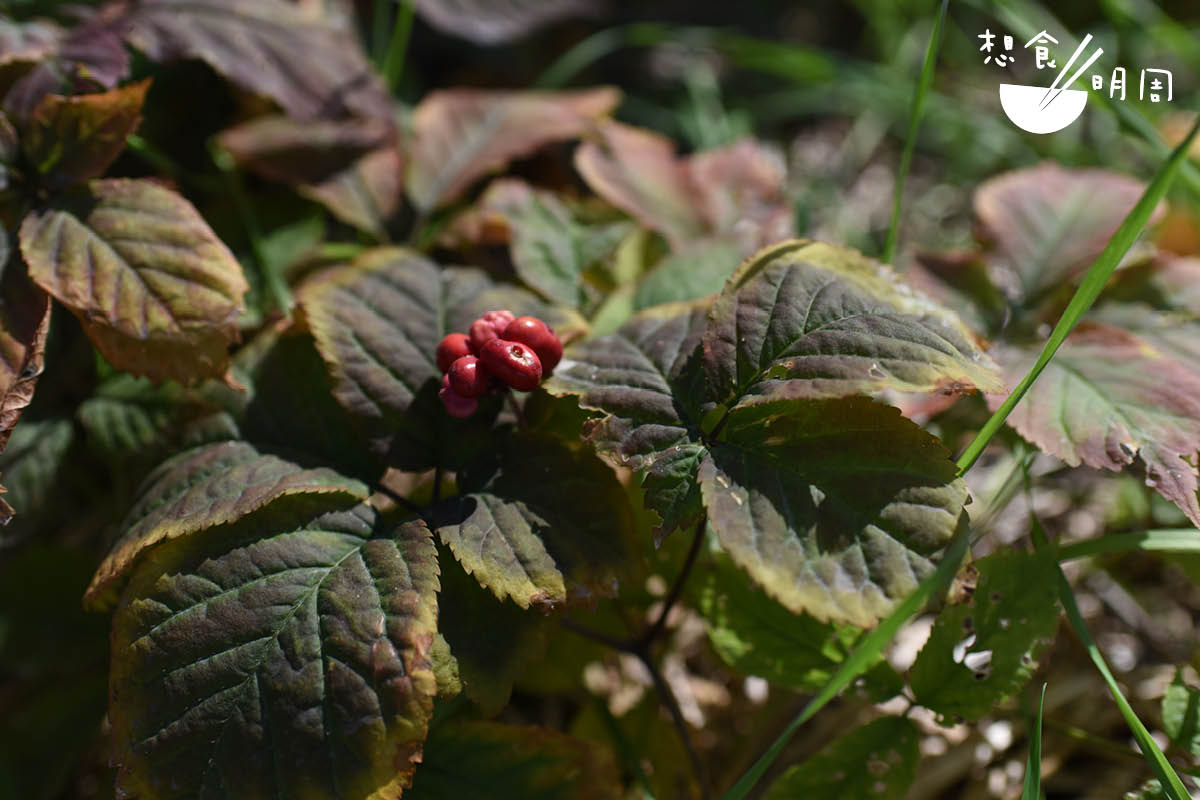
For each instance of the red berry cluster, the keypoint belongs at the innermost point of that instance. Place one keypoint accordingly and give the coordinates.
(500, 351)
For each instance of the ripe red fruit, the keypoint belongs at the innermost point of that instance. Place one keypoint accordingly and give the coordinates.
(539, 337)
(512, 362)
(490, 326)
(468, 377)
(453, 347)
(456, 405)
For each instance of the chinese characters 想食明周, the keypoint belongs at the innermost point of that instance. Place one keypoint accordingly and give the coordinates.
(1154, 84)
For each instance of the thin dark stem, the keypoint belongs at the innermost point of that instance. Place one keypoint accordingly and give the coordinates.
(517, 410)
(646, 639)
(668, 699)
(598, 637)
(399, 499)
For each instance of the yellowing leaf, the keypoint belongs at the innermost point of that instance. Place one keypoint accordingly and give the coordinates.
(155, 289)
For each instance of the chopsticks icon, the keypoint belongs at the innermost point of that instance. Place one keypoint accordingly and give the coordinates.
(1052, 93)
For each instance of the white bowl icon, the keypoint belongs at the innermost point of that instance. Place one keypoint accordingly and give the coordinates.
(1022, 105)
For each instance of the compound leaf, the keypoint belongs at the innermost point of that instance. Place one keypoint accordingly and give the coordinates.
(878, 760)
(201, 488)
(538, 522)
(1109, 397)
(287, 654)
(155, 289)
(460, 135)
(806, 319)
(837, 508)
(983, 651)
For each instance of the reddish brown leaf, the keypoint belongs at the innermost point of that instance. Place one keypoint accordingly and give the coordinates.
(155, 289)
(283, 149)
(365, 194)
(72, 139)
(489, 22)
(1108, 397)
(24, 324)
(460, 135)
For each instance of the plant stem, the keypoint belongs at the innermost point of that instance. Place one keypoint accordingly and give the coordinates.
(596, 636)
(914, 123)
(646, 639)
(668, 699)
(399, 499)
(518, 412)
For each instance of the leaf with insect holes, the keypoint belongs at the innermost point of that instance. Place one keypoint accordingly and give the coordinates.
(24, 325)
(494, 22)
(71, 139)
(735, 191)
(838, 508)
(877, 760)
(1048, 222)
(985, 650)
(156, 290)
(514, 762)
(287, 653)
(461, 135)
(646, 378)
(538, 522)
(377, 323)
(311, 68)
(806, 319)
(201, 489)
(1107, 398)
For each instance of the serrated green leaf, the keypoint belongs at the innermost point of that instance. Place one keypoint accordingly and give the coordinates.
(1049, 223)
(72, 139)
(460, 135)
(806, 319)
(757, 636)
(878, 760)
(698, 270)
(983, 651)
(514, 763)
(492, 641)
(1107, 398)
(1181, 715)
(837, 508)
(200, 489)
(287, 654)
(377, 323)
(538, 522)
(155, 289)
(30, 463)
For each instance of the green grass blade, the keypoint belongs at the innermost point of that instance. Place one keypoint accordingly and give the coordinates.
(393, 61)
(1033, 766)
(860, 660)
(1093, 283)
(1170, 540)
(914, 123)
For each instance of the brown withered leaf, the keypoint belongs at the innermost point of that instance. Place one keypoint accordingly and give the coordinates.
(72, 139)
(460, 135)
(156, 290)
(1108, 397)
(24, 325)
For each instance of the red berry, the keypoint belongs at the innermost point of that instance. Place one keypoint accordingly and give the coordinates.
(468, 377)
(456, 405)
(539, 337)
(490, 326)
(514, 363)
(452, 348)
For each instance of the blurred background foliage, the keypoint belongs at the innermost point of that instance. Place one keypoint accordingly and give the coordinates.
(827, 83)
